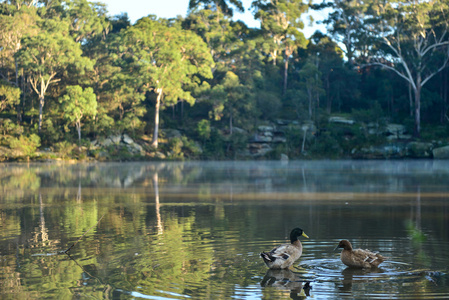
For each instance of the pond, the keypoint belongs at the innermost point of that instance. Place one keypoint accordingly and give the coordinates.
(194, 230)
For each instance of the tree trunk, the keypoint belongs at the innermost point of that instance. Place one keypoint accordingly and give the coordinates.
(230, 124)
(328, 96)
(285, 75)
(274, 55)
(410, 96)
(41, 106)
(418, 108)
(156, 118)
(310, 96)
(78, 128)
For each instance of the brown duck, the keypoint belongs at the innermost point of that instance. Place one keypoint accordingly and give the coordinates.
(283, 256)
(358, 258)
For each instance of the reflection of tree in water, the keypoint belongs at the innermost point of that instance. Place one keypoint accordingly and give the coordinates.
(160, 229)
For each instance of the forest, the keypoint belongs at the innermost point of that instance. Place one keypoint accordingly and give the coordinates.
(77, 83)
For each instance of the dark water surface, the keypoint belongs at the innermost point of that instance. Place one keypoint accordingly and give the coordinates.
(194, 230)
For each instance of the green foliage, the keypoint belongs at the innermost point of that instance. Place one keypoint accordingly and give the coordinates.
(107, 74)
(204, 129)
(373, 115)
(269, 104)
(50, 133)
(235, 144)
(8, 127)
(64, 148)
(9, 96)
(215, 146)
(26, 145)
(77, 104)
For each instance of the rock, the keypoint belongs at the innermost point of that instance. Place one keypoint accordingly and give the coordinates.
(284, 157)
(160, 155)
(259, 149)
(238, 130)
(419, 150)
(441, 152)
(116, 139)
(279, 139)
(341, 120)
(135, 148)
(257, 138)
(127, 139)
(263, 128)
(396, 131)
(392, 150)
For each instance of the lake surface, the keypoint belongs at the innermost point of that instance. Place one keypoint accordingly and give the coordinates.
(194, 230)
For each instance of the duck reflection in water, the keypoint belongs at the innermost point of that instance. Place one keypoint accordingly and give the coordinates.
(351, 275)
(287, 280)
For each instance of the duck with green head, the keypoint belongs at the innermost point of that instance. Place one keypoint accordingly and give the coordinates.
(283, 256)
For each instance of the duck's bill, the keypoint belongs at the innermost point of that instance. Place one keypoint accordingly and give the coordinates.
(336, 248)
(305, 235)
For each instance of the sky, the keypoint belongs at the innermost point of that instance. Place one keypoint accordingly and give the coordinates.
(137, 9)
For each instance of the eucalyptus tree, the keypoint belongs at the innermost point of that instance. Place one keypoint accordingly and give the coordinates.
(87, 19)
(220, 6)
(78, 103)
(166, 60)
(281, 23)
(49, 55)
(14, 26)
(345, 24)
(330, 62)
(413, 42)
(310, 78)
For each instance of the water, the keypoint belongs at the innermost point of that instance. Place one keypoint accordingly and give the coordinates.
(195, 230)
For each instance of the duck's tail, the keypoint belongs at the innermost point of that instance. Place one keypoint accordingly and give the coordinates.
(267, 257)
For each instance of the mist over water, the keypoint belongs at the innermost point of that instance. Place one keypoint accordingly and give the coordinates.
(182, 230)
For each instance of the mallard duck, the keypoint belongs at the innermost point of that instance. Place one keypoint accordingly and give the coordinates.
(358, 258)
(283, 256)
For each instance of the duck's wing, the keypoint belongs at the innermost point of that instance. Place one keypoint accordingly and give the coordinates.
(284, 251)
(367, 257)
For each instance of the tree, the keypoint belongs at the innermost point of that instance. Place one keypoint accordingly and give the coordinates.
(345, 24)
(49, 55)
(12, 29)
(310, 78)
(413, 43)
(169, 61)
(330, 63)
(220, 6)
(232, 100)
(9, 95)
(281, 23)
(78, 104)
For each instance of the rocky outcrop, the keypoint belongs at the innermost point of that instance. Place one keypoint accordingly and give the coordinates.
(122, 140)
(441, 152)
(397, 150)
(262, 142)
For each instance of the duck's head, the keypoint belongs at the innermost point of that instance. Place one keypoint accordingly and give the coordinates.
(345, 244)
(296, 233)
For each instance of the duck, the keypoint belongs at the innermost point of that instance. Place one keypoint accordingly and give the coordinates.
(283, 256)
(359, 258)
